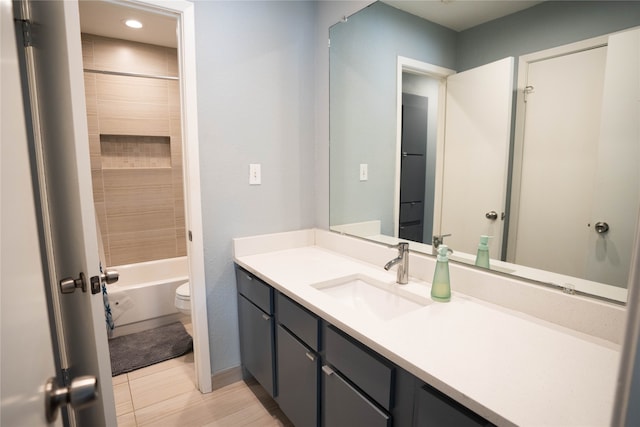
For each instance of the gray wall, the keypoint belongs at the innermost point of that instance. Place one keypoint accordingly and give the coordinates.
(547, 25)
(255, 71)
(363, 60)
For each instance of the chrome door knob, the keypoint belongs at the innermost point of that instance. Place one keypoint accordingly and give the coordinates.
(109, 276)
(82, 392)
(601, 227)
(492, 215)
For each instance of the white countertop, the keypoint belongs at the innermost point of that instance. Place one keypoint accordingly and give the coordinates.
(509, 367)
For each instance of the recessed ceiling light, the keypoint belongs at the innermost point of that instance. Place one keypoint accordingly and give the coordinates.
(133, 23)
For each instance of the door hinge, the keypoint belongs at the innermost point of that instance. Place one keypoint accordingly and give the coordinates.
(190, 236)
(26, 33)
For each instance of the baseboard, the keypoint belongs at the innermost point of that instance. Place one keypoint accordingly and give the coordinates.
(226, 377)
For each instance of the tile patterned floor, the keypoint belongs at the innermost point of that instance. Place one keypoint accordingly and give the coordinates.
(165, 395)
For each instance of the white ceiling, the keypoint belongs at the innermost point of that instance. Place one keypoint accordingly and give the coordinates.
(107, 18)
(460, 15)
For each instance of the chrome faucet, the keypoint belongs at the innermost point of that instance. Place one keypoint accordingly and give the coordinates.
(403, 260)
(437, 241)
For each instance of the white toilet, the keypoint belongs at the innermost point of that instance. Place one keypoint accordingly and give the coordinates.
(183, 298)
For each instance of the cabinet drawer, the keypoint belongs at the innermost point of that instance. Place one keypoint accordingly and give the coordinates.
(434, 408)
(255, 290)
(372, 374)
(302, 323)
(298, 369)
(344, 406)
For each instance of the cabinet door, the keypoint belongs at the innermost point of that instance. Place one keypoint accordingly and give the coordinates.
(344, 406)
(435, 409)
(256, 343)
(298, 369)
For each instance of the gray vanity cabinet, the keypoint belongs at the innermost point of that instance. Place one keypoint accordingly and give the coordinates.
(298, 362)
(320, 376)
(435, 409)
(256, 324)
(357, 384)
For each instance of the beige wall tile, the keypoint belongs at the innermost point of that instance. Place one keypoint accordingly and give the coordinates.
(172, 62)
(129, 248)
(135, 178)
(97, 184)
(132, 89)
(87, 51)
(90, 93)
(138, 200)
(133, 110)
(130, 57)
(94, 152)
(181, 242)
(92, 124)
(175, 125)
(141, 215)
(126, 151)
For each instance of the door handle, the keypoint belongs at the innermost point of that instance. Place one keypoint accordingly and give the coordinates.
(492, 215)
(601, 227)
(327, 370)
(109, 277)
(68, 285)
(82, 392)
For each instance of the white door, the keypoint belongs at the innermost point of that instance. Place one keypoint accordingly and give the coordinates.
(27, 355)
(61, 135)
(617, 185)
(559, 160)
(476, 154)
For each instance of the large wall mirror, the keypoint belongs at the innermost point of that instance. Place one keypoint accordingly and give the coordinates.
(525, 128)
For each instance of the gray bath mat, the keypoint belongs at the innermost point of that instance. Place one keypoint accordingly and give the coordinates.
(135, 351)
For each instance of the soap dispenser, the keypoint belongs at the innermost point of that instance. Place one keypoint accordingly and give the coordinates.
(441, 286)
(482, 258)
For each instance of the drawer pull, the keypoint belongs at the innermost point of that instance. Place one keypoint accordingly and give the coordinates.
(248, 277)
(265, 317)
(327, 370)
(310, 356)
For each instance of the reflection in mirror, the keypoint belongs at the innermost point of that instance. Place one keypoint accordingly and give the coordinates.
(554, 191)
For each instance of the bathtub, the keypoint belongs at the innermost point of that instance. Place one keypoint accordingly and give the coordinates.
(143, 297)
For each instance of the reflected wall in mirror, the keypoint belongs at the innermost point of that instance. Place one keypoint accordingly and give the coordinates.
(530, 205)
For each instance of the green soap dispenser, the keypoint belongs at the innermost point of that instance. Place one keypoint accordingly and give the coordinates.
(482, 257)
(441, 286)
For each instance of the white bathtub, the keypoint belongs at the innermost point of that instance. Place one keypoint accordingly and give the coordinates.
(143, 297)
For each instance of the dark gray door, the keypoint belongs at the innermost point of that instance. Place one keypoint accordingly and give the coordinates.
(413, 167)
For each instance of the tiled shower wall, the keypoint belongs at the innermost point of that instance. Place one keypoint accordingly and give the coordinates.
(135, 143)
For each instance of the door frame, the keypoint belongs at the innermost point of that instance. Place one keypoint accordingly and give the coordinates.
(185, 14)
(409, 65)
(518, 142)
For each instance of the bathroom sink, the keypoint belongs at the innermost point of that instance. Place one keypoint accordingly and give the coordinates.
(384, 301)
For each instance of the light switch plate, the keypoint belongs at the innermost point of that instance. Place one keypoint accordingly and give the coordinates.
(364, 171)
(255, 177)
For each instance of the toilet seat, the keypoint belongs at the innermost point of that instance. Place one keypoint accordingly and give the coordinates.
(183, 291)
(183, 298)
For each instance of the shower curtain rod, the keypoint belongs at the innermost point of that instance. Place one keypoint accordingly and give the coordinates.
(121, 73)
